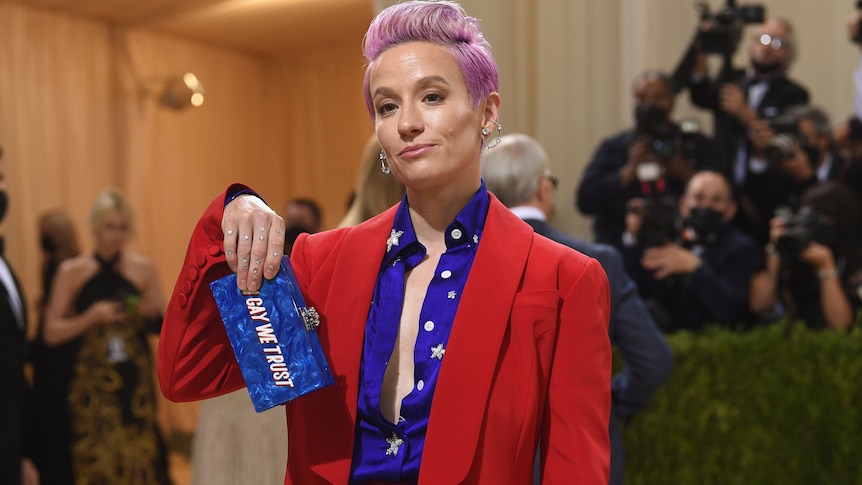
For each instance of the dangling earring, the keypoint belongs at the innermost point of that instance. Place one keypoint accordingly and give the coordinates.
(384, 167)
(487, 131)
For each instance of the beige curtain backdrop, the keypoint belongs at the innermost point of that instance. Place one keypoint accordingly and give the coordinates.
(79, 112)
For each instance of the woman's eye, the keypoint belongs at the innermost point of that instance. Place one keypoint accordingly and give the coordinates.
(434, 97)
(386, 108)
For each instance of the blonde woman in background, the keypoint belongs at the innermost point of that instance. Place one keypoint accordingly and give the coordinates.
(375, 191)
(104, 307)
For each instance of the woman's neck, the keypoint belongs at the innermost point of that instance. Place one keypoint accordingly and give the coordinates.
(106, 255)
(431, 211)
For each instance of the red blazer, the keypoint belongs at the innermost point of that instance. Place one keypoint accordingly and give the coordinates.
(528, 355)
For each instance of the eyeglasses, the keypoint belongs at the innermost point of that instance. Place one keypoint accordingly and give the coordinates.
(774, 42)
(555, 182)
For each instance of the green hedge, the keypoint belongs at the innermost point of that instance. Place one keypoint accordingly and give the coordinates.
(771, 406)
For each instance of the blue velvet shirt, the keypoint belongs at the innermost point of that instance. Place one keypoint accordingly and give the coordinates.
(392, 452)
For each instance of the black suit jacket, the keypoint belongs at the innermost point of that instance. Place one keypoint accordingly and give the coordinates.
(716, 293)
(14, 391)
(729, 132)
(648, 359)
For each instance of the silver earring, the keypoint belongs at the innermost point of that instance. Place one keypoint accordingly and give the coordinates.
(486, 131)
(384, 167)
(499, 134)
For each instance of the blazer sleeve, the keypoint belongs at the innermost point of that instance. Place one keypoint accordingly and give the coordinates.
(195, 358)
(575, 442)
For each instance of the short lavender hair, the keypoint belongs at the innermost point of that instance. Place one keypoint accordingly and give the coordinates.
(441, 22)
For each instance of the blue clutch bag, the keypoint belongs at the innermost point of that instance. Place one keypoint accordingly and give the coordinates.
(273, 336)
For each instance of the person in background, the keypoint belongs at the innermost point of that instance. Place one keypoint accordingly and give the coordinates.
(702, 274)
(654, 158)
(59, 242)
(744, 104)
(233, 444)
(518, 173)
(375, 191)
(305, 213)
(448, 274)
(302, 215)
(743, 99)
(104, 307)
(813, 261)
(16, 464)
(848, 134)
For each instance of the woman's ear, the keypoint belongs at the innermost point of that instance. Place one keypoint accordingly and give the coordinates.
(491, 108)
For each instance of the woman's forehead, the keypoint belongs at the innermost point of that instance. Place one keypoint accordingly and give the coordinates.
(411, 62)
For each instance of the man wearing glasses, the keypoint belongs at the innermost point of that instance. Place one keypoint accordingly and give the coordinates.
(743, 105)
(517, 171)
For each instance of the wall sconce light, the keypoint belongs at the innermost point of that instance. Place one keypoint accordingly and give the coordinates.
(182, 92)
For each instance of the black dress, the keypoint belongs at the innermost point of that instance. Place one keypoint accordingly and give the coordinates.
(97, 393)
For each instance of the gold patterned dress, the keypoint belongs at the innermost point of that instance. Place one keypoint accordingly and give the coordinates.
(111, 395)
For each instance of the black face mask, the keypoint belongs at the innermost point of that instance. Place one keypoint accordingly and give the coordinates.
(4, 204)
(47, 243)
(652, 120)
(763, 69)
(813, 154)
(705, 223)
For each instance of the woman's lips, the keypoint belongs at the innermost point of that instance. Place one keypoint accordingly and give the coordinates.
(414, 151)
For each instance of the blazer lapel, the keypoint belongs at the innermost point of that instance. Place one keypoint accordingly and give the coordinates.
(354, 275)
(461, 396)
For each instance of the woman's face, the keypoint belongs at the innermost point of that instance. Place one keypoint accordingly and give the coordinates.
(111, 234)
(424, 118)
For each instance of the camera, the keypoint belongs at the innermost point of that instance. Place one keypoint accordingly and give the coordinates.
(660, 220)
(725, 29)
(653, 121)
(805, 226)
(722, 36)
(690, 135)
(787, 134)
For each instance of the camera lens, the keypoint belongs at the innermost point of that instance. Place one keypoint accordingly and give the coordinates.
(663, 149)
(779, 148)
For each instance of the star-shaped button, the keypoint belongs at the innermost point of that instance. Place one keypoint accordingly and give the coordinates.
(394, 444)
(393, 239)
(451, 295)
(437, 352)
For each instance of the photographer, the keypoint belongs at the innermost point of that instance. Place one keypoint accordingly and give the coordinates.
(742, 99)
(702, 275)
(656, 156)
(800, 154)
(812, 265)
